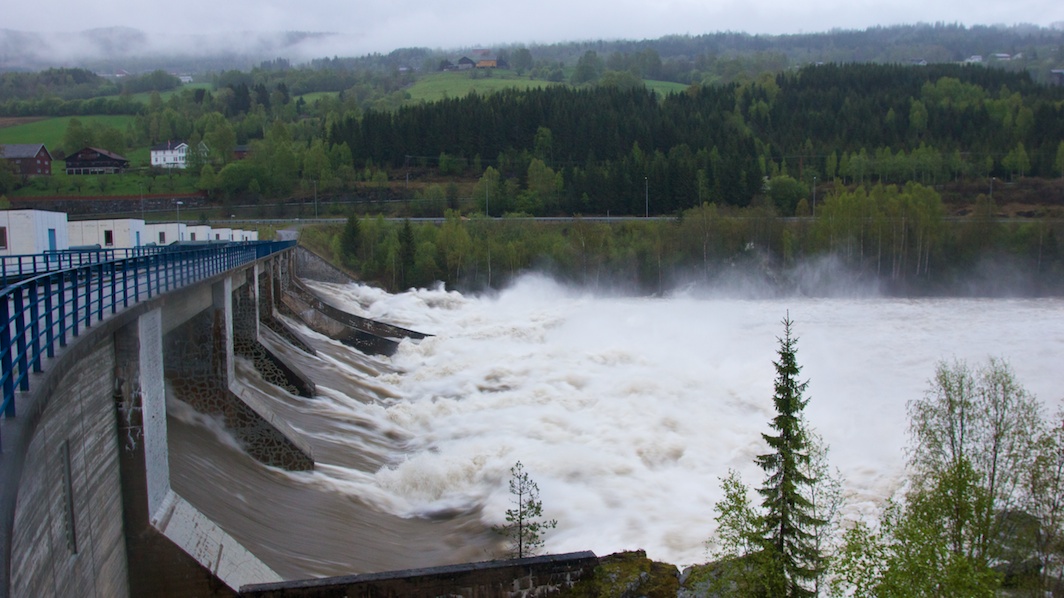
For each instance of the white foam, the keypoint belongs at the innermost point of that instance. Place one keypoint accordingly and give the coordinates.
(627, 411)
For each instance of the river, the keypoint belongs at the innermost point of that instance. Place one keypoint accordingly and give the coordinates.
(625, 411)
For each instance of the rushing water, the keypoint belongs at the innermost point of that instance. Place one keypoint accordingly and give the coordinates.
(625, 411)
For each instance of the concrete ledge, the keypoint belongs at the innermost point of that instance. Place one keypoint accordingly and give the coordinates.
(534, 576)
(268, 340)
(318, 321)
(302, 457)
(312, 266)
(209, 544)
(373, 327)
(276, 327)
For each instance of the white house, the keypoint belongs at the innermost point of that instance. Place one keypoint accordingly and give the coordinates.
(165, 233)
(245, 235)
(122, 233)
(172, 154)
(25, 232)
(198, 232)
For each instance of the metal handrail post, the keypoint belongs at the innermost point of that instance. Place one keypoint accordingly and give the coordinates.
(63, 308)
(35, 327)
(7, 373)
(49, 319)
(20, 340)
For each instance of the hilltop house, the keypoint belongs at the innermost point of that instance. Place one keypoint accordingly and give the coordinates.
(30, 159)
(173, 154)
(92, 160)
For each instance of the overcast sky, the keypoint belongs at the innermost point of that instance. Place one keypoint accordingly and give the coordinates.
(384, 25)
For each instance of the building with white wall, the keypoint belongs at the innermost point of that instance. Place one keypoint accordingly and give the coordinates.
(26, 232)
(165, 233)
(221, 234)
(122, 233)
(198, 232)
(173, 154)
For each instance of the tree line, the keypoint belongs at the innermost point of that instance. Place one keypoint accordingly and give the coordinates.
(893, 239)
(613, 148)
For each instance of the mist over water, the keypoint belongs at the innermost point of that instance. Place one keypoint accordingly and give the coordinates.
(626, 411)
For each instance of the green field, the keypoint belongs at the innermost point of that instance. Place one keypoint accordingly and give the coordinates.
(456, 84)
(664, 88)
(314, 96)
(50, 131)
(166, 95)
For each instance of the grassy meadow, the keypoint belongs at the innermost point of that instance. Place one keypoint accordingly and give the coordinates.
(50, 131)
(456, 84)
(145, 97)
(664, 88)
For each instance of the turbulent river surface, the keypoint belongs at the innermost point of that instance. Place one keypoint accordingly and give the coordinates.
(625, 411)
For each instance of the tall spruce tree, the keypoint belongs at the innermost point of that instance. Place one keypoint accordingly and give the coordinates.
(788, 520)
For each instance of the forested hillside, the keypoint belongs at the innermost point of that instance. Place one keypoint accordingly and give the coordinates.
(602, 149)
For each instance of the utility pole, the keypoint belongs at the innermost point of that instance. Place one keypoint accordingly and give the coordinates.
(814, 197)
(646, 189)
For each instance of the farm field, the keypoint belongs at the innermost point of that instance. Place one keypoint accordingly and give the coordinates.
(664, 88)
(456, 84)
(50, 131)
(144, 97)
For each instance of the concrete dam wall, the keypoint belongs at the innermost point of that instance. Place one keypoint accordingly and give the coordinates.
(87, 504)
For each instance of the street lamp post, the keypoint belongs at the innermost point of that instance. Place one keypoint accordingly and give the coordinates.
(179, 204)
(814, 197)
(646, 191)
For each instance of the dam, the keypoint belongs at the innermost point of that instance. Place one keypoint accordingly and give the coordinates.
(151, 443)
(627, 409)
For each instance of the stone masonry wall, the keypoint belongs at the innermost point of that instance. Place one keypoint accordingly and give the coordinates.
(517, 578)
(311, 266)
(192, 369)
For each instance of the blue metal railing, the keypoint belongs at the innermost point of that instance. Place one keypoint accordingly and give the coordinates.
(14, 268)
(44, 310)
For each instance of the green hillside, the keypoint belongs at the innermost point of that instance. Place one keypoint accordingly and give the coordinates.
(50, 131)
(455, 84)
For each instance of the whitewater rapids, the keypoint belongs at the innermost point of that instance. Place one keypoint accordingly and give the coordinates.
(625, 411)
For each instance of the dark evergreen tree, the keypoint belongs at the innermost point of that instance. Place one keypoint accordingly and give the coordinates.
(524, 524)
(787, 511)
(407, 251)
(350, 240)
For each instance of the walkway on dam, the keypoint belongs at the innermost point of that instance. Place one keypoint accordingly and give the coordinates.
(47, 300)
